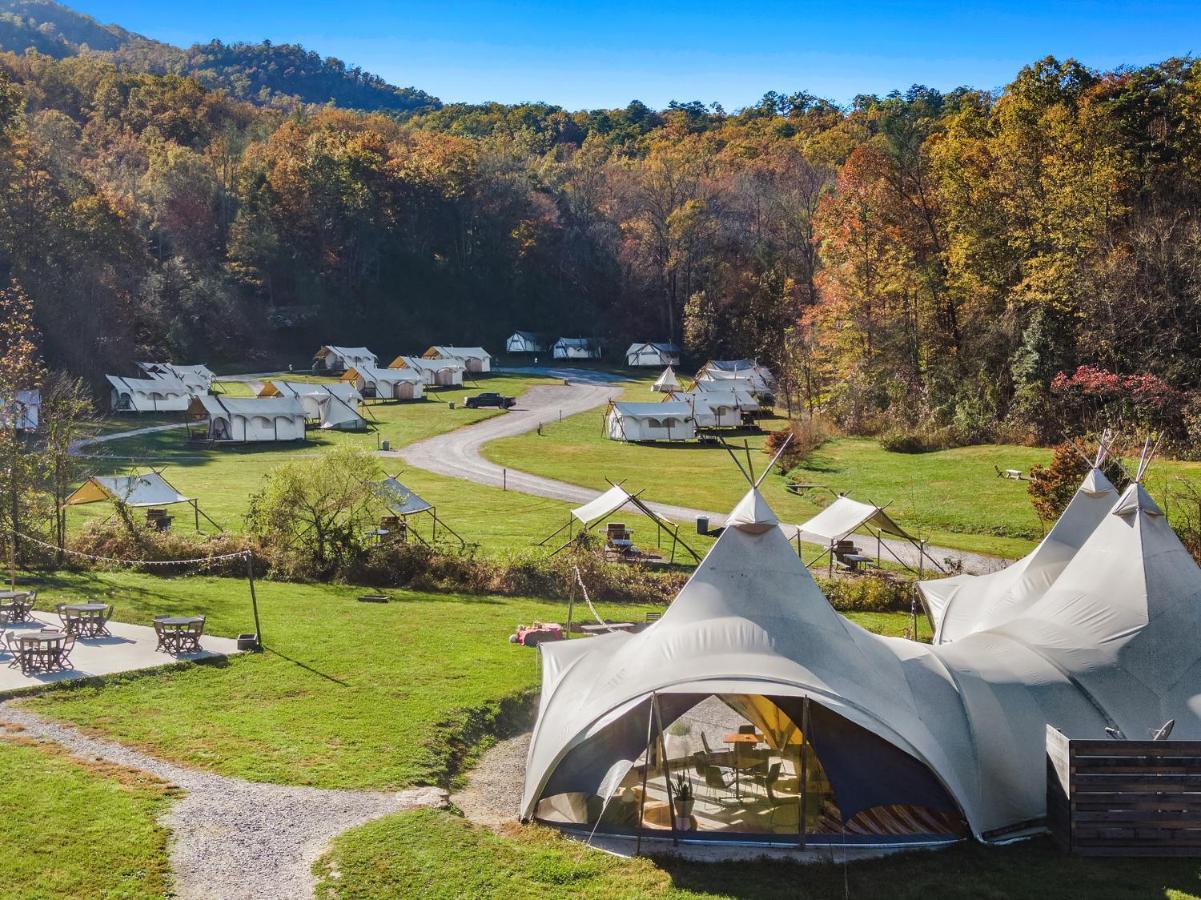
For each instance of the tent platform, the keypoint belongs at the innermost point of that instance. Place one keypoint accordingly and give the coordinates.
(129, 649)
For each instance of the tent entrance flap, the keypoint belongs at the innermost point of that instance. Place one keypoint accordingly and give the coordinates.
(741, 766)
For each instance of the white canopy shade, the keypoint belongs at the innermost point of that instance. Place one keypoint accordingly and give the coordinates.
(606, 504)
(844, 517)
(150, 489)
(400, 500)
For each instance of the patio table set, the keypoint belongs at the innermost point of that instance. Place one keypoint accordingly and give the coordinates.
(48, 649)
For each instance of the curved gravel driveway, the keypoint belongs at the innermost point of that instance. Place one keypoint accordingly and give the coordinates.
(457, 454)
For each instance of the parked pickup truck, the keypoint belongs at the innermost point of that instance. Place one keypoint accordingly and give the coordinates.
(479, 401)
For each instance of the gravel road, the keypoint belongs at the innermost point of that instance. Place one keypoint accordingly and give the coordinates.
(457, 454)
(236, 839)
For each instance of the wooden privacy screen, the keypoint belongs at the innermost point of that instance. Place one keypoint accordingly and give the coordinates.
(1124, 798)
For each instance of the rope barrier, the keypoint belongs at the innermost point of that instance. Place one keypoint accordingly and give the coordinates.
(580, 581)
(198, 561)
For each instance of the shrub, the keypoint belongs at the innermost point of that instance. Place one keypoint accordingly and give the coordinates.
(807, 436)
(1051, 487)
(883, 593)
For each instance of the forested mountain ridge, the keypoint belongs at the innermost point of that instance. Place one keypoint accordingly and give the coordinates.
(271, 74)
(948, 266)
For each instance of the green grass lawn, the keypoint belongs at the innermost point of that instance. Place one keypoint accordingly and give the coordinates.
(437, 855)
(348, 694)
(75, 829)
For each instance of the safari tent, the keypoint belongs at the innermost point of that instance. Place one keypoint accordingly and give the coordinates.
(239, 420)
(433, 372)
(149, 394)
(524, 342)
(338, 359)
(474, 359)
(331, 406)
(23, 412)
(667, 382)
(149, 490)
(759, 378)
(386, 384)
(719, 409)
(603, 507)
(653, 353)
(635, 422)
(576, 348)
(862, 738)
(402, 503)
(199, 378)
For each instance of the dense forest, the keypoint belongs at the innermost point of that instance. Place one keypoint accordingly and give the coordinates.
(951, 267)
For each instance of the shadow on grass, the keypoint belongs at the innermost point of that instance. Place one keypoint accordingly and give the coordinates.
(305, 666)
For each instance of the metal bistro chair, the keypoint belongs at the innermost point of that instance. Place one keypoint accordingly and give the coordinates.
(717, 782)
(165, 636)
(189, 636)
(22, 606)
(767, 779)
(19, 653)
(69, 619)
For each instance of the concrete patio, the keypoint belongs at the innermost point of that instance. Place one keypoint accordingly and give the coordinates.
(130, 648)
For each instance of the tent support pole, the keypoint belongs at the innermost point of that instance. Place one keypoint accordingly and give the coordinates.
(554, 533)
(650, 721)
(196, 513)
(671, 803)
(254, 600)
(830, 568)
(804, 770)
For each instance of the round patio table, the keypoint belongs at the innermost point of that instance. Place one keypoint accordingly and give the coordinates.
(178, 621)
(46, 655)
(86, 607)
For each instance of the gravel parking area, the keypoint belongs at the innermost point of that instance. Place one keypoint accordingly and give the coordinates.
(237, 839)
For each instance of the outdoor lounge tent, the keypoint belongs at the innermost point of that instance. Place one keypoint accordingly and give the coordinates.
(576, 348)
(844, 516)
(433, 372)
(651, 353)
(915, 733)
(604, 505)
(964, 604)
(240, 420)
(338, 359)
(403, 503)
(386, 384)
(524, 342)
(667, 421)
(666, 383)
(199, 378)
(21, 413)
(332, 406)
(138, 491)
(475, 359)
(149, 394)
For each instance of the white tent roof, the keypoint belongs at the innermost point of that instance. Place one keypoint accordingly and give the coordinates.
(846, 516)
(420, 364)
(400, 500)
(674, 408)
(161, 385)
(268, 407)
(729, 397)
(666, 382)
(346, 352)
(967, 603)
(341, 389)
(607, 503)
(659, 346)
(387, 376)
(1112, 643)
(150, 489)
(460, 352)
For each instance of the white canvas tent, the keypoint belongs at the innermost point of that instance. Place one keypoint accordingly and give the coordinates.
(474, 359)
(606, 504)
(964, 604)
(386, 384)
(433, 372)
(893, 723)
(23, 412)
(332, 406)
(653, 353)
(147, 490)
(576, 348)
(668, 421)
(199, 378)
(402, 502)
(149, 394)
(240, 420)
(666, 383)
(719, 409)
(524, 342)
(759, 378)
(338, 359)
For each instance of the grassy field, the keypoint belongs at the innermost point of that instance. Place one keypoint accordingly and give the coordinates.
(75, 829)
(446, 857)
(952, 498)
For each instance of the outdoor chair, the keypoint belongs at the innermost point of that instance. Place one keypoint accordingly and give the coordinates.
(746, 729)
(189, 636)
(15, 651)
(768, 779)
(163, 638)
(69, 621)
(22, 606)
(718, 783)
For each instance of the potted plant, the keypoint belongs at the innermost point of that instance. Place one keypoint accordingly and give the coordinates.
(684, 800)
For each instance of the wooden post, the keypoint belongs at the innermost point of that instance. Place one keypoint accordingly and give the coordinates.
(196, 513)
(830, 569)
(662, 745)
(254, 600)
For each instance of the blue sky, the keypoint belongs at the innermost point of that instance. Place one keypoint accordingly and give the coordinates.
(604, 54)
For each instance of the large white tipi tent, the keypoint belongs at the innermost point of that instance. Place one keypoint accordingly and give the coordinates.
(897, 727)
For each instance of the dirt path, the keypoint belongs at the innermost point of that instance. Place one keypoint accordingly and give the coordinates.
(231, 838)
(458, 455)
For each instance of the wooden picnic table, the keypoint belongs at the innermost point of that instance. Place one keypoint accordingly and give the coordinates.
(854, 561)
